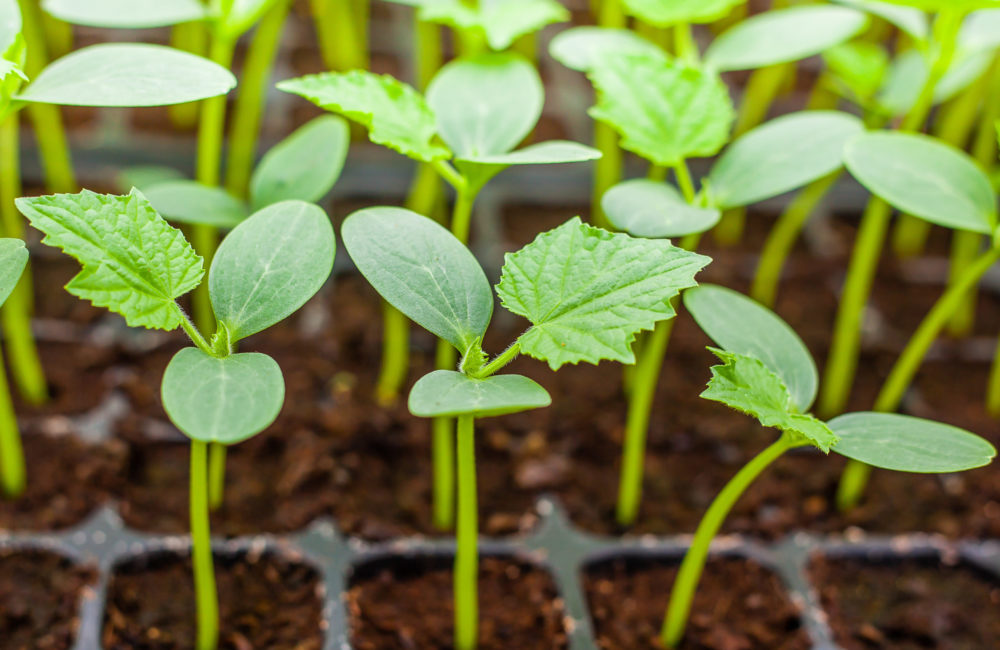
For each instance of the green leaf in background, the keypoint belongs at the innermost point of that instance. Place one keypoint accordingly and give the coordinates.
(480, 169)
(244, 14)
(938, 5)
(744, 383)
(743, 326)
(911, 21)
(446, 393)
(859, 69)
(588, 292)
(925, 177)
(187, 201)
(908, 444)
(665, 13)
(143, 177)
(503, 21)
(582, 48)
(134, 263)
(224, 400)
(980, 31)
(781, 155)
(13, 259)
(303, 166)
(645, 208)
(423, 271)
(10, 23)
(908, 74)
(125, 14)
(269, 266)
(783, 36)
(486, 104)
(128, 74)
(664, 111)
(394, 113)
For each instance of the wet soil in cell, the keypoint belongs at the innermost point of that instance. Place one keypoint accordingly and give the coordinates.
(40, 596)
(408, 603)
(738, 605)
(264, 602)
(911, 604)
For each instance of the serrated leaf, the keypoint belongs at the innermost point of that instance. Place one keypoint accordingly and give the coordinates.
(134, 263)
(747, 385)
(588, 292)
(503, 21)
(447, 393)
(645, 208)
(224, 400)
(394, 113)
(666, 13)
(187, 201)
(13, 259)
(664, 111)
(125, 14)
(582, 48)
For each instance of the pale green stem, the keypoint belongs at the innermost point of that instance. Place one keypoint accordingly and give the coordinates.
(206, 598)
(190, 37)
(13, 473)
(466, 538)
(341, 44)
(395, 355)
(216, 475)
(607, 168)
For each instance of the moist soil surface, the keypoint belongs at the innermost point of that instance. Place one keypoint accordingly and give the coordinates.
(739, 605)
(40, 596)
(908, 604)
(407, 603)
(264, 602)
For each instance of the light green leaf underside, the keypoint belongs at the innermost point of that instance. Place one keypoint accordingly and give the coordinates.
(980, 31)
(222, 400)
(645, 208)
(423, 271)
(582, 48)
(143, 177)
(908, 444)
(10, 23)
(542, 153)
(134, 263)
(665, 112)
(13, 259)
(747, 385)
(269, 266)
(923, 176)
(503, 21)
(187, 201)
(743, 326)
(125, 14)
(665, 13)
(588, 292)
(908, 74)
(395, 114)
(912, 21)
(450, 393)
(128, 74)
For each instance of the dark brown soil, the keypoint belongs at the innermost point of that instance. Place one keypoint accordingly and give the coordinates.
(408, 604)
(40, 599)
(264, 602)
(908, 605)
(77, 378)
(739, 605)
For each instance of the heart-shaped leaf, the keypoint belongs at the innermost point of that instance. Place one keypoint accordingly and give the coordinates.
(582, 48)
(447, 393)
(125, 14)
(187, 201)
(645, 208)
(13, 259)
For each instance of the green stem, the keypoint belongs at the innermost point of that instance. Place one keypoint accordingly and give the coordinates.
(461, 218)
(684, 45)
(395, 355)
(216, 475)
(13, 474)
(499, 361)
(190, 37)
(607, 168)
(993, 386)
(684, 182)
(965, 246)
(466, 536)
(58, 36)
(693, 564)
(443, 451)
(206, 599)
(337, 30)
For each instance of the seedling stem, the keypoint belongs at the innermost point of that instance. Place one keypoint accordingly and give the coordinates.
(201, 550)
(466, 553)
(13, 473)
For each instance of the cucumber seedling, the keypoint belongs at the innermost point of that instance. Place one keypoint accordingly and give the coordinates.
(585, 291)
(137, 265)
(768, 373)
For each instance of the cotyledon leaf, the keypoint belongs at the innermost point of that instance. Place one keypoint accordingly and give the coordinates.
(13, 258)
(446, 393)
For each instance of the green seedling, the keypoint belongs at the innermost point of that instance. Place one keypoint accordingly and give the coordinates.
(135, 264)
(768, 373)
(586, 293)
(13, 475)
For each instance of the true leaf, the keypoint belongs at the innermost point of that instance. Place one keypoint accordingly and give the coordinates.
(582, 48)
(303, 166)
(187, 201)
(645, 208)
(13, 258)
(588, 292)
(128, 74)
(422, 270)
(224, 400)
(743, 326)
(134, 263)
(924, 177)
(450, 393)
(394, 113)
(502, 21)
(269, 266)
(125, 14)
(912, 21)
(664, 111)
(908, 444)
(782, 36)
(781, 155)
(665, 13)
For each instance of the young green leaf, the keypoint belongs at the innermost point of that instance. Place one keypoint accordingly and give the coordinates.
(858, 68)
(503, 21)
(269, 266)
(743, 326)
(925, 177)
(783, 36)
(394, 113)
(588, 292)
(224, 400)
(479, 170)
(125, 14)
(666, 14)
(910, 20)
(134, 263)
(744, 383)
(909, 444)
(13, 259)
(303, 166)
(423, 271)
(781, 155)
(187, 201)
(645, 208)
(447, 393)
(582, 48)
(665, 112)
(128, 74)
